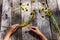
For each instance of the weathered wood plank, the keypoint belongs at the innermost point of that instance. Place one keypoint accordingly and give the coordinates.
(28, 36)
(43, 23)
(58, 2)
(0, 16)
(16, 18)
(53, 5)
(5, 22)
(26, 14)
(48, 31)
(5, 12)
(24, 33)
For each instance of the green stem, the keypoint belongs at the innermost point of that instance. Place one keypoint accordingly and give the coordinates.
(55, 23)
(29, 21)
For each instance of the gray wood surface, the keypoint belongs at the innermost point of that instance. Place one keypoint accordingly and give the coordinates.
(22, 15)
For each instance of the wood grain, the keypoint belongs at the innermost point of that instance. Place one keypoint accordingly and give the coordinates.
(22, 15)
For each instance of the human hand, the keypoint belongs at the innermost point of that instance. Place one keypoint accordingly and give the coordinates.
(11, 30)
(36, 30)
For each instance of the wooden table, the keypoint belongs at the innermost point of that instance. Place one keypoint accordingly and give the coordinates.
(22, 15)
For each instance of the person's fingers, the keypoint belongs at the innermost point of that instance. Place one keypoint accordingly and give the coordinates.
(33, 27)
(14, 26)
(14, 30)
(33, 30)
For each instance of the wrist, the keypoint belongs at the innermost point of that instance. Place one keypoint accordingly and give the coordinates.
(40, 34)
(42, 37)
(8, 34)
